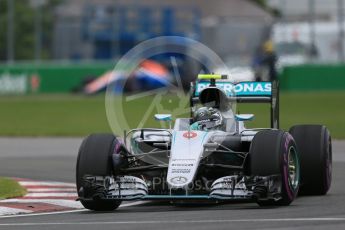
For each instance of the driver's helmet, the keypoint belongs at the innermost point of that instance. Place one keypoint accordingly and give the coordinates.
(208, 118)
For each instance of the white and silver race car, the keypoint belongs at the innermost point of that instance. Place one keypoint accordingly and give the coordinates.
(210, 156)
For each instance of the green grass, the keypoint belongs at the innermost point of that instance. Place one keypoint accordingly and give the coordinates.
(56, 115)
(73, 115)
(10, 188)
(325, 108)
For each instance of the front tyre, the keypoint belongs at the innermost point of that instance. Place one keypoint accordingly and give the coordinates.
(315, 146)
(274, 152)
(94, 158)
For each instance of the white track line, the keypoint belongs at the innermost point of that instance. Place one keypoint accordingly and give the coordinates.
(19, 200)
(45, 183)
(51, 190)
(33, 195)
(11, 211)
(65, 203)
(69, 211)
(326, 219)
(43, 213)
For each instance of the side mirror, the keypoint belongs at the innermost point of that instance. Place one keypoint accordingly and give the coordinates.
(244, 117)
(164, 117)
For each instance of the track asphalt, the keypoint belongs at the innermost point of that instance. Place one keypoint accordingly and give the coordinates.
(54, 159)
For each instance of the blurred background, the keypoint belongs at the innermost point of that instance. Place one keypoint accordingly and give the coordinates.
(54, 52)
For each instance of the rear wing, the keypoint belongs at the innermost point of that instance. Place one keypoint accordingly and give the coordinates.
(217, 87)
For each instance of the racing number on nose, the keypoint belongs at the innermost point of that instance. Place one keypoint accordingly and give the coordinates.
(190, 134)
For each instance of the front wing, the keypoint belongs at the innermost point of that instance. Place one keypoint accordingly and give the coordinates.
(127, 188)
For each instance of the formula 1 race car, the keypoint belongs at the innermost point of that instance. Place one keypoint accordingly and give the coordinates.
(210, 156)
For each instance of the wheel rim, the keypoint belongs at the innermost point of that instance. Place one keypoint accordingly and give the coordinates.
(293, 167)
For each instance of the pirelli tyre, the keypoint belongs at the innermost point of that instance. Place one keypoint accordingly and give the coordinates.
(315, 146)
(95, 158)
(274, 152)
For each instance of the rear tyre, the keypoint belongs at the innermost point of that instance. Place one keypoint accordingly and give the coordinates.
(274, 152)
(315, 146)
(94, 158)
